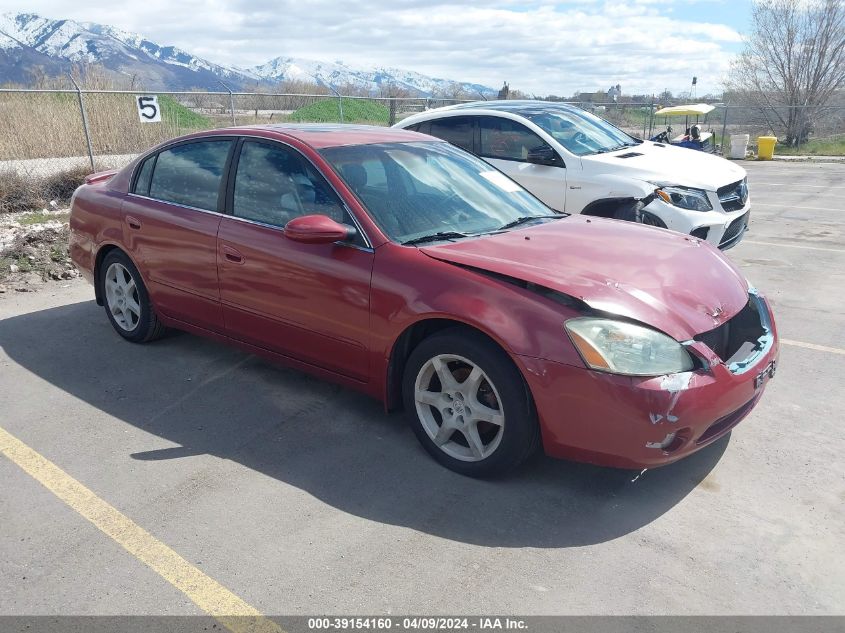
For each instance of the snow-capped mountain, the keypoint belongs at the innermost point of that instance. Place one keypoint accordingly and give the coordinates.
(7, 42)
(61, 43)
(29, 42)
(338, 75)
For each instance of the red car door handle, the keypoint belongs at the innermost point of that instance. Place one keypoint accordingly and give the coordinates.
(134, 223)
(232, 255)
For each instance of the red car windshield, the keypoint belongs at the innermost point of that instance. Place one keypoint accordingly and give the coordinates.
(416, 190)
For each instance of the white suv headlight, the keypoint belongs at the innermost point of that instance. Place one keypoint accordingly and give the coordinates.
(685, 198)
(619, 347)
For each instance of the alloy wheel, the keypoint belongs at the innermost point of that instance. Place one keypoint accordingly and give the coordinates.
(459, 407)
(122, 297)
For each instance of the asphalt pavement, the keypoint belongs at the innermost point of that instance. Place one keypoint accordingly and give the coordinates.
(299, 497)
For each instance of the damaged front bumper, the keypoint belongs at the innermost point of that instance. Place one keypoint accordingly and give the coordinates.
(644, 422)
(723, 229)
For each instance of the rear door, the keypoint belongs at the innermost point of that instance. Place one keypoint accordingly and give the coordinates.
(307, 301)
(171, 220)
(505, 143)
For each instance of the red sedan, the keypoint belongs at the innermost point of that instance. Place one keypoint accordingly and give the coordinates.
(399, 265)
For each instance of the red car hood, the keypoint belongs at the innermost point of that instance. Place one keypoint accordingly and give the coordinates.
(670, 281)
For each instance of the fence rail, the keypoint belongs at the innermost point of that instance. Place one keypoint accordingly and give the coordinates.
(46, 131)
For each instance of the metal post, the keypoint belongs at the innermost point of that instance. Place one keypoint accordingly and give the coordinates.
(339, 100)
(231, 101)
(645, 125)
(724, 128)
(651, 119)
(392, 111)
(84, 120)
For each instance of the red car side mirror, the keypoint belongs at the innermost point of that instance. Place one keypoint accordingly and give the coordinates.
(317, 229)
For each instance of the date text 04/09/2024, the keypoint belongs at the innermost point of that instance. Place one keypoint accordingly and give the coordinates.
(387, 623)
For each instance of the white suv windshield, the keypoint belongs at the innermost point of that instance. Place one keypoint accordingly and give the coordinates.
(580, 132)
(429, 190)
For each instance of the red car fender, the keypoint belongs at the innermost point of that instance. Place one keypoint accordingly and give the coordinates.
(519, 320)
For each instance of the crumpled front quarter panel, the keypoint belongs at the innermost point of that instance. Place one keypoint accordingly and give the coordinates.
(672, 282)
(408, 286)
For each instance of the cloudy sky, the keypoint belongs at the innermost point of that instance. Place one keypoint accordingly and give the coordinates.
(537, 46)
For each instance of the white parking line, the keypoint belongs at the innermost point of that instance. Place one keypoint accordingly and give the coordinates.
(818, 348)
(809, 248)
(789, 184)
(793, 206)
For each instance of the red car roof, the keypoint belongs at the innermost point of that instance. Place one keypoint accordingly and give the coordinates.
(320, 135)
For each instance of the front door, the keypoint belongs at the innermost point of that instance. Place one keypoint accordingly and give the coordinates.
(505, 144)
(307, 301)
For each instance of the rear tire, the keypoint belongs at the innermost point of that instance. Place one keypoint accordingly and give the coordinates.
(126, 300)
(468, 404)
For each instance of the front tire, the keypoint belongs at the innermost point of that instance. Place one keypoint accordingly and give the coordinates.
(634, 211)
(649, 219)
(126, 300)
(630, 211)
(469, 405)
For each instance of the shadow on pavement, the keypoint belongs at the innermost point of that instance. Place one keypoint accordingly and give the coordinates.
(333, 443)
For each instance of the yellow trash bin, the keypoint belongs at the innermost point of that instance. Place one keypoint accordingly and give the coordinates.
(766, 147)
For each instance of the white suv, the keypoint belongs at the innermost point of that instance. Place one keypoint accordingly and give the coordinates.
(576, 162)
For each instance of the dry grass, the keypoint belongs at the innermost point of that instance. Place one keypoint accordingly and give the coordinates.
(49, 125)
(60, 186)
(20, 193)
(37, 125)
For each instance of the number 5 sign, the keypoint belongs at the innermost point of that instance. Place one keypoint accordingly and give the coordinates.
(148, 110)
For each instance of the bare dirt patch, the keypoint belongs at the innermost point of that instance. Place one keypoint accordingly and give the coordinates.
(34, 250)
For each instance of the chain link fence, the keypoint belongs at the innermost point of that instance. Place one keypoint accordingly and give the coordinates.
(50, 139)
(42, 131)
(820, 129)
(800, 130)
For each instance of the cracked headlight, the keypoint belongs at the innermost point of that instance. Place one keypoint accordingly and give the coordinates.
(685, 198)
(624, 348)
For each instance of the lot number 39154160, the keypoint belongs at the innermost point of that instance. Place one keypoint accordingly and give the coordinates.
(148, 110)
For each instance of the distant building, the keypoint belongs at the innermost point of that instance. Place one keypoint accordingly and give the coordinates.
(503, 93)
(590, 97)
(614, 92)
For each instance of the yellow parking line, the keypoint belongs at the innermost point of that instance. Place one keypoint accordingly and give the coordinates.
(818, 348)
(809, 248)
(209, 595)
